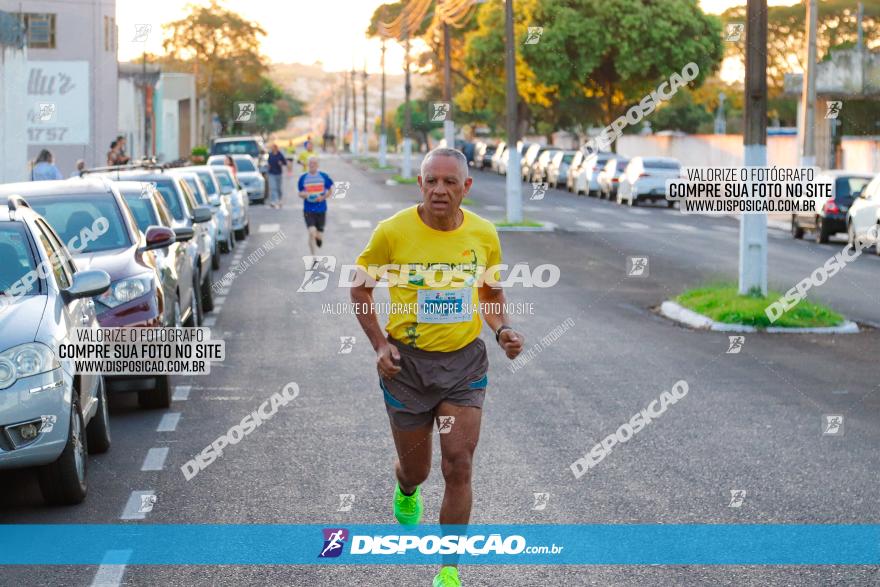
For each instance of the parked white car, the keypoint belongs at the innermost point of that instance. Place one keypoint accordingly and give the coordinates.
(645, 179)
(864, 213)
(586, 179)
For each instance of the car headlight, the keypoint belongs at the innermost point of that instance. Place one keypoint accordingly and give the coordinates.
(124, 291)
(26, 360)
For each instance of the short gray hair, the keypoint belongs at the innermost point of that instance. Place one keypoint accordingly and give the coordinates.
(445, 152)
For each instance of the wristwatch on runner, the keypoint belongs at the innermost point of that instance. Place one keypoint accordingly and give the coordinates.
(501, 329)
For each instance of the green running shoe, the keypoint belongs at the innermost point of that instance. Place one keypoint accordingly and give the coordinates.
(447, 577)
(408, 508)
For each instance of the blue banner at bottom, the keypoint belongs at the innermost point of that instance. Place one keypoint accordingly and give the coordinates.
(635, 544)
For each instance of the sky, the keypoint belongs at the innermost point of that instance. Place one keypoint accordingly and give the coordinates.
(301, 31)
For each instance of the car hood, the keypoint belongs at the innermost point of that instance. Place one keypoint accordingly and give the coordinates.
(249, 175)
(118, 263)
(20, 321)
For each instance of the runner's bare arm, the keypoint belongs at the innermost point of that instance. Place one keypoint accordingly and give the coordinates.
(362, 298)
(492, 300)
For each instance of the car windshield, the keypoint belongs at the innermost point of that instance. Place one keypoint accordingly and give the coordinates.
(658, 164)
(247, 147)
(209, 183)
(141, 206)
(169, 194)
(845, 188)
(567, 158)
(244, 164)
(197, 193)
(70, 214)
(226, 185)
(17, 260)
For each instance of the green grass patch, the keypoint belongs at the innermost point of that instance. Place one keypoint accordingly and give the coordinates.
(526, 222)
(401, 179)
(722, 303)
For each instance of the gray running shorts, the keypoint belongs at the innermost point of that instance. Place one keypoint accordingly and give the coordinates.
(427, 378)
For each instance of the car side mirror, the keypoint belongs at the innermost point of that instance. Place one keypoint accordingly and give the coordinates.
(87, 284)
(202, 214)
(159, 237)
(183, 234)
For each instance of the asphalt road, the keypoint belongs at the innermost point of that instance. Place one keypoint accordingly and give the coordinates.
(751, 421)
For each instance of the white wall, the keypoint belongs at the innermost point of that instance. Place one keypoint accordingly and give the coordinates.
(707, 150)
(13, 122)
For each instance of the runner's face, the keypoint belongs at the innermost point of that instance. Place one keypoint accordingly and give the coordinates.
(313, 167)
(444, 185)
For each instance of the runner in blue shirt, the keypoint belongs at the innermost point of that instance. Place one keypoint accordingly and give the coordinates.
(314, 188)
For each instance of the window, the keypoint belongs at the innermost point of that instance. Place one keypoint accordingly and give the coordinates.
(71, 213)
(54, 256)
(40, 30)
(17, 259)
(109, 33)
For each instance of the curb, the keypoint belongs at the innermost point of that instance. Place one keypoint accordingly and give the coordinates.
(682, 315)
(548, 227)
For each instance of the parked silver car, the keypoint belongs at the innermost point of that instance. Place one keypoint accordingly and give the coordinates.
(50, 417)
(200, 195)
(248, 175)
(241, 219)
(222, 204)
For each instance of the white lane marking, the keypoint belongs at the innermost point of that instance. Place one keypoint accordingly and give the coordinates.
(111, 569)
(635, 225)
(269, 228)
(682, 227)
(219, 299)
(155, 460)
(223, 291)
(209, 321)
(638, 212)
(493, 208)
(169, 422)
(590, 225)
(360, 223)
(181, 393)
(384, 206)
(135, 505)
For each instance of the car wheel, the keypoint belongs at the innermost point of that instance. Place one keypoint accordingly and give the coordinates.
(215, 259)
(64, 481)
(98, 431)
(796, 230)
(239, 234)
(231, 241)
(193, 313)
(224, 247)
(822, 234)
(199, 312)
(247, 229)
(670, 204)
(207, 294)
(157, 398)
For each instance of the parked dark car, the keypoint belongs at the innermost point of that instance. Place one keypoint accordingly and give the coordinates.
(483, 155)
(135, 297)
(175, 263)
(828, 216)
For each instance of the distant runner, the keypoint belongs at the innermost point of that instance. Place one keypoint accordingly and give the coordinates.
(314, 188)
(433, 365)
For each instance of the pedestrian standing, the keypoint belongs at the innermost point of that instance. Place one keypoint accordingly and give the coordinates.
(121, 157)
(113, 154)
(80, 167)
(277, 160)
(44, 167)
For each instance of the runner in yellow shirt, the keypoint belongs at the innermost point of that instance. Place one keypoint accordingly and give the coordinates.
(433, 363)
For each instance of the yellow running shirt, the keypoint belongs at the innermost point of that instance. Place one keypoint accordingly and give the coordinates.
(433, 277)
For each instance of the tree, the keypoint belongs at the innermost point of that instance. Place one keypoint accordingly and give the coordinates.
(681, 113)
(223, 50)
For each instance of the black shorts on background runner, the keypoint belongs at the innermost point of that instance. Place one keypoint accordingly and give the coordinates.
(316, 219)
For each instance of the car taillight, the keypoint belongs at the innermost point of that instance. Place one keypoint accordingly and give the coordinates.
(644, 175)
(831, 207)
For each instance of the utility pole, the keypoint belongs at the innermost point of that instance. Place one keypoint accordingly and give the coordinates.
(383, 137)
(345, 100)
(514, 182)
(366, 117)
(354, 114)
(448, 124)
(808, 92)
(406, 172)
(753, 227)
